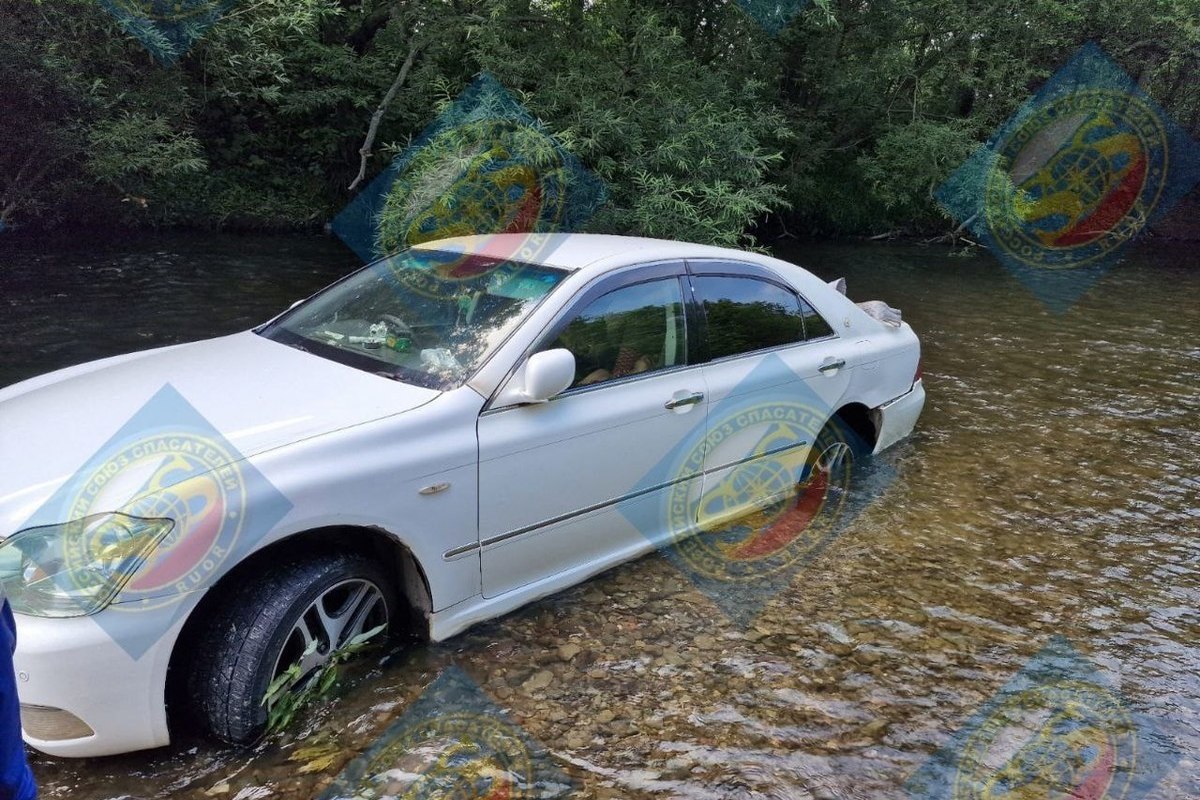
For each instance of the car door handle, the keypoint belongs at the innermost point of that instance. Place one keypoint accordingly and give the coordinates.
(679, 402)
(832, 366)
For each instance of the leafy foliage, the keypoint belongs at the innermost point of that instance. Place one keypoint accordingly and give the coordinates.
(909, 161)
(132, 148)
(702, 123)
(684, 149)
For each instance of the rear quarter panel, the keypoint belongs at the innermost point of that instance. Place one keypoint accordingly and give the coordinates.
(889, 355)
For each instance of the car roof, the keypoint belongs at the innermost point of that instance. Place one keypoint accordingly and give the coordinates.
(587, 252)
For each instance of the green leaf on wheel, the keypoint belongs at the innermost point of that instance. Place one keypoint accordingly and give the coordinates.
(366, 636)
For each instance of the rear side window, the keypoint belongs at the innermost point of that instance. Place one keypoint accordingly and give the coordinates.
(815, 326)
(747, 314)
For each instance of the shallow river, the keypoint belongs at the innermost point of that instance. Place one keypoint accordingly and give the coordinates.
(1044, 517)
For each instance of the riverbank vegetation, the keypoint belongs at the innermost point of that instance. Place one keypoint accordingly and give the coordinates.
(702, 123)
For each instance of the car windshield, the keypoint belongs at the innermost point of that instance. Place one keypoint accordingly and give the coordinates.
(429, 317)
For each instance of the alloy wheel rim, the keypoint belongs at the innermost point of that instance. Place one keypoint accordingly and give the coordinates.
(341, 612)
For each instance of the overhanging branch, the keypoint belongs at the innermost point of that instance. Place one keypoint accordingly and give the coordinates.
(414, 49)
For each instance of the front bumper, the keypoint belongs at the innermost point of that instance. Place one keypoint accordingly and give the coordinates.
(104, 671)
(896, 418)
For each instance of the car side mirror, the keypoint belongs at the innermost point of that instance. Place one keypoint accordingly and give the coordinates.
(548, 374)
(544, 375)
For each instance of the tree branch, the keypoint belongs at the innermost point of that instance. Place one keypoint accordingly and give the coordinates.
(414, 49)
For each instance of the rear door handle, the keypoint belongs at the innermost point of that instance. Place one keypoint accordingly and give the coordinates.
(832, 366)
(679, 402)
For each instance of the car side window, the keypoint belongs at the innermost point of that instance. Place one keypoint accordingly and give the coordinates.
(626, 332)
(747, 314)
(815, 326)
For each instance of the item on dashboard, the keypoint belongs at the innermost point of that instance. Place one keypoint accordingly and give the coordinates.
(439, 358)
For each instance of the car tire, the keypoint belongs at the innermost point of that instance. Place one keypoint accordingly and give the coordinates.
(838, 439)
(260, 627)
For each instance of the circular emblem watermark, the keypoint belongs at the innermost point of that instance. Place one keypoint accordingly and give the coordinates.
(775, 506)
(171, 10)
(495, 176)
(1077, 179)
(452, 756)
(189, 478)
(1070, 739)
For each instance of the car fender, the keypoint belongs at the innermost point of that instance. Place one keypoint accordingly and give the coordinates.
(413, 476)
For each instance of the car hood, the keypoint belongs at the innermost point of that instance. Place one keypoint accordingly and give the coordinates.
(245, 392)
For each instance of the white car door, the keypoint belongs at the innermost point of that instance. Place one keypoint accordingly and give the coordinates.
(576, 484)
(776, 372)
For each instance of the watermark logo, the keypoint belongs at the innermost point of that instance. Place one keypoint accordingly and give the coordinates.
(189, 477)
(1056, 730)
(759, 489)
(453, 272)
(167, 28)
(154, 514)
(773, 15)
(1074, 176)
(486, 166)
(452, 742)
(772, 508)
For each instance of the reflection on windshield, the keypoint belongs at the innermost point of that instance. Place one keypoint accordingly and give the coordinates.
(425, 316)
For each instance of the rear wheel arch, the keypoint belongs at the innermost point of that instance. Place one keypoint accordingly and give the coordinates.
(860, 421)
(410, 583)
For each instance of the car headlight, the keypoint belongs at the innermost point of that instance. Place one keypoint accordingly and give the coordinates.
(77, 568)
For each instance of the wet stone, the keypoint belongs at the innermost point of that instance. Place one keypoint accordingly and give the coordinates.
(875, 728)
(866, 657)
(538, 681)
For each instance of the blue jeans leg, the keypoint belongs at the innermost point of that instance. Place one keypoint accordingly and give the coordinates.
(16, 779)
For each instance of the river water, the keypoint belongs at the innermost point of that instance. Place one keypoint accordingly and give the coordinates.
(1043, 517)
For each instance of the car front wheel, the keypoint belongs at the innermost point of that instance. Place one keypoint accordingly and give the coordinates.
(266, 624)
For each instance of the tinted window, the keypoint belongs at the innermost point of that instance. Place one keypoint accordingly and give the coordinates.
(815, 326)
(746, 314)
(626, 332)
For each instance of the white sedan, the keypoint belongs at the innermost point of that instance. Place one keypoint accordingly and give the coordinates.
(433, 441)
